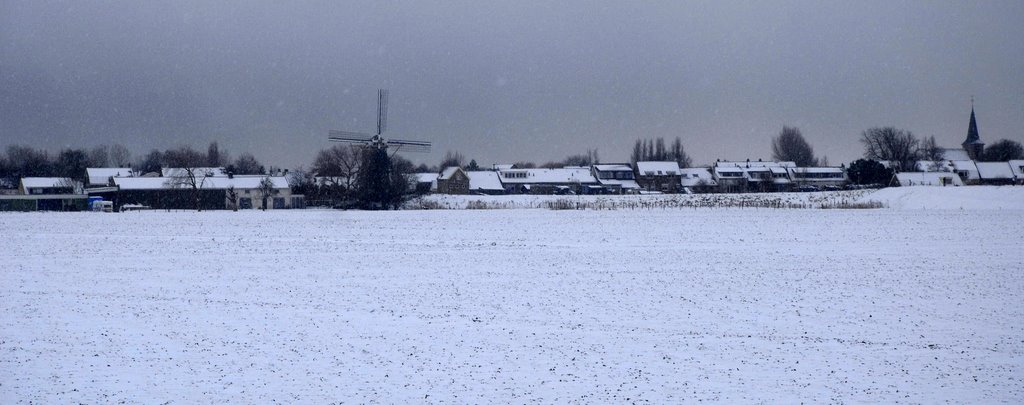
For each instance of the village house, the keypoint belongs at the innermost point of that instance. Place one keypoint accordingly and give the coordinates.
(100, 176)
(995, 173)
(213, 192)
(737, 177)
(615, 178)
(819, 178)
(485, 182)
(659, 176)
(697, 180)
(453, 180)
(567, 180)
(967, 171)
(928, 179)
(46, 194)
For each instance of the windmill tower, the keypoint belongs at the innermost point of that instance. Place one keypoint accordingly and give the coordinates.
(377, 140)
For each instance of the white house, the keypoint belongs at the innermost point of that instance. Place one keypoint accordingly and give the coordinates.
(928, 179)
(49, 185)
(697, 179)
(823, 177)
(100, 176)
(565, 180)
(215, 192)
(205, 171)
(967, 170)
(485, 182)
(995, 173)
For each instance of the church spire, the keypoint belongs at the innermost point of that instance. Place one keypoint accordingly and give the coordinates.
(973, 144)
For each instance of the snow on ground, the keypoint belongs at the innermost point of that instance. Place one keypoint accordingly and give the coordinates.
(972, 197)
(524, 306)
(777, 200)
(915, 197)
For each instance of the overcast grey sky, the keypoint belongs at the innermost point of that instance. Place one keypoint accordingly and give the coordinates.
(507, 81)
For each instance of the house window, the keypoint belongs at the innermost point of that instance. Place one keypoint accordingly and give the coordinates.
(245, 203)
(278, 203)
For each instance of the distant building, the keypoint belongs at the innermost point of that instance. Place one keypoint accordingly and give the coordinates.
(995, 173)
(659, 176)
(453, 180)
(973, 144)
(567, 180)
(928, 179)
(615, 178)
(46, 194)
(214, 192)
(697, 180)
(100, 176)
(485, 182)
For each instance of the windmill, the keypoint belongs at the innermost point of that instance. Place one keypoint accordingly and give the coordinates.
(378, 141)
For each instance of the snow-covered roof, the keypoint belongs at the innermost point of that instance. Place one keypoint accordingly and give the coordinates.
(484, 180)
(613, 168)
(928, 179)
(936, 166)
(100, 175)
(955, 154)
(692, 176)
(657, 168)
(966, 166)
(754, 164)
(208, 183)
(448, 172)
(729, 169)
(425, 177)
(1018, 168)
(994, 170)
(207, 171)
(539, 176)
(503, 166)
(47, 182)
(816, 169)
(624, 184)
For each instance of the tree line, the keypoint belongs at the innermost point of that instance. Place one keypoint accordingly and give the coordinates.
(23, 161)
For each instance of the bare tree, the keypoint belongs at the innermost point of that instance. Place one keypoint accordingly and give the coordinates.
(216, 157)
(587, 159)
(187, 172)
(266, 190)
(341, 162)
(151, 163)
(232, 198)
(929, 150)
(790, 146)
(678, 154)
(246, 163)
(659, 150)
(894, 145)
(99, 156)
(24, 161)
(120, 156)
(452, 158)
(638, 152)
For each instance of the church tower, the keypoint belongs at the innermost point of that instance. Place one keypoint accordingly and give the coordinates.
(973, 144)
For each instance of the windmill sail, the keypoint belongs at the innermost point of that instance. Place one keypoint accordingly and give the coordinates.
(378, 141)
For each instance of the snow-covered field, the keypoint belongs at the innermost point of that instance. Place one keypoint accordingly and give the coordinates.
(477, 306)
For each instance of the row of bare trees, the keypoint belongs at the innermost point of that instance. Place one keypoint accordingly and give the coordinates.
(904, 149)
(655, 150)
